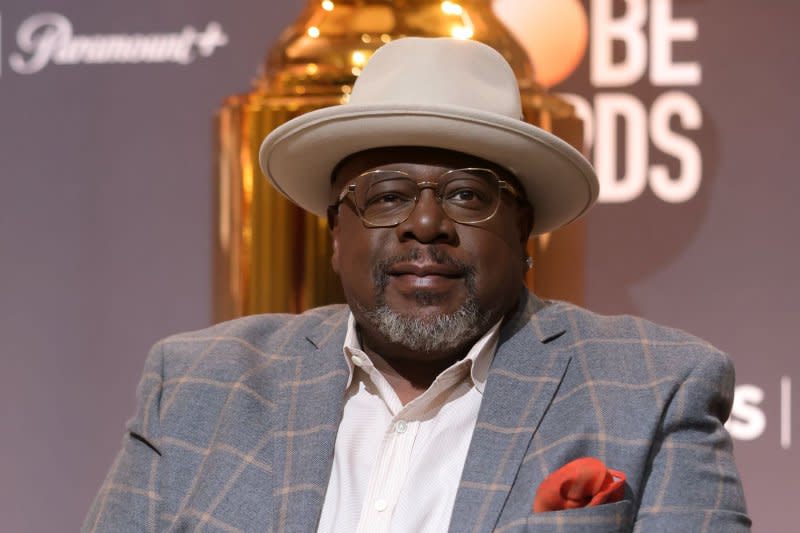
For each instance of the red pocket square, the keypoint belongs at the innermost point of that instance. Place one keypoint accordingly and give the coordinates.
(584, 482)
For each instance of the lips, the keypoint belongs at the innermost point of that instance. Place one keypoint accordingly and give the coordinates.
(423, 270)
(429, 277)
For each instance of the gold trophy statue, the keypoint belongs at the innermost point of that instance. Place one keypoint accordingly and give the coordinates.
(270, 256)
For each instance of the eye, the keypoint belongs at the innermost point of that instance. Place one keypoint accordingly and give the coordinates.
(387, 199)
(463, 195)
(389, 193)
(466, 198)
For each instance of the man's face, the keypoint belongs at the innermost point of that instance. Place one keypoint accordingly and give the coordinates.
(428, 276)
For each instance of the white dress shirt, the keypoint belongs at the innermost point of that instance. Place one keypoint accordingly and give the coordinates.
(396, 468)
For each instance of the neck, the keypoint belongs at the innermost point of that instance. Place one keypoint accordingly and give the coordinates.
(409, 373)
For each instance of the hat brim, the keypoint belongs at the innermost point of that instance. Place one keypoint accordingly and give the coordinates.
(299, 156)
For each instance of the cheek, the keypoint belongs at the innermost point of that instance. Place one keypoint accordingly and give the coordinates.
(356, 249)
(500, 271)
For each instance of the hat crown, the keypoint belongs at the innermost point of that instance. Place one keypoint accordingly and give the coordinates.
(439, 72)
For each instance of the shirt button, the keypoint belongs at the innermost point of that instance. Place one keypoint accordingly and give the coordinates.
(401, 426)
(381, 505)
(357, 360)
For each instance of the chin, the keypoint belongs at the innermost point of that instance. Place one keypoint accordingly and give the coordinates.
(429, 328)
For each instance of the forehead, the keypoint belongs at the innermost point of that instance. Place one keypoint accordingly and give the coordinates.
(414, 160)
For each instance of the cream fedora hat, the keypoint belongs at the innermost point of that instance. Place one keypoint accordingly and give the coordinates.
(443, 93)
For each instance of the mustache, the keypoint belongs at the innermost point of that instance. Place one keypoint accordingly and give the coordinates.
(380, 272)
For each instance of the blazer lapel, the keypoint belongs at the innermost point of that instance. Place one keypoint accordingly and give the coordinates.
(311, 405)
(522, 381)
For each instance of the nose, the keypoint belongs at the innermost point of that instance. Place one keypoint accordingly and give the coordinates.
(428, 223)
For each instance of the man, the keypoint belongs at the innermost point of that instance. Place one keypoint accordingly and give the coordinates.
(444, 394)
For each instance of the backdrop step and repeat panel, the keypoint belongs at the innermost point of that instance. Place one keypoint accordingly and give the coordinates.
(105, 205)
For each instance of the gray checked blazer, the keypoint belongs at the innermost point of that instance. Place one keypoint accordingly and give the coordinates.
(236, 425)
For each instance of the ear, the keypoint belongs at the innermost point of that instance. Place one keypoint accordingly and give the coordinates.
(333, 226)
(524, 223)
(333, 217)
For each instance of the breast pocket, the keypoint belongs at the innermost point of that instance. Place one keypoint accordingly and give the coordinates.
(608, 518)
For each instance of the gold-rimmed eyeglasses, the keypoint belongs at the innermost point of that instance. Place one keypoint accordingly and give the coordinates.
(386, 198)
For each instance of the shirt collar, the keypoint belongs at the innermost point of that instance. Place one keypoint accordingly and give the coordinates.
(479, 358)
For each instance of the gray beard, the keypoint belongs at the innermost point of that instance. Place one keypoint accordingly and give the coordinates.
(427, 334)
(435, 334)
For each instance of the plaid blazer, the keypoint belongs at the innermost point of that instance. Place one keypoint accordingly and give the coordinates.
(236, 425)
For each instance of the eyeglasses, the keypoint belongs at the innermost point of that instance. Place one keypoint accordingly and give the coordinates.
(386, 198)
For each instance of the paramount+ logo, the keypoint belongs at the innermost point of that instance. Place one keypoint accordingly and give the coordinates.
(47, 39)
(641, 123)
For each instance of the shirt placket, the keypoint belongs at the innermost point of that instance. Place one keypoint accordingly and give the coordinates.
(388, 478)
(394, 456)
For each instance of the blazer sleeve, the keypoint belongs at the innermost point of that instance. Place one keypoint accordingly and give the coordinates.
(129, 497)
(692, 482)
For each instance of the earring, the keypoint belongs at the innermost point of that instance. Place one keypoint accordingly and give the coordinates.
(529, 262)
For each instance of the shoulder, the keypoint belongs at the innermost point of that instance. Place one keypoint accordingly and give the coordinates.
(257, 328)
(620, 327)
(629, 362)
(233, 346)
(625, 340)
